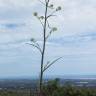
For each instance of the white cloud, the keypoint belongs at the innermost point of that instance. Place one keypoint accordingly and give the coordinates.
(16, 3)
(74, 14)
(79, 16)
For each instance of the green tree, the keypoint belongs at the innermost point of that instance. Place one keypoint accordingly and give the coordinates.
(47, 31)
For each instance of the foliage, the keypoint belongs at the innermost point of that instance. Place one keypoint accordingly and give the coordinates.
(53, 88)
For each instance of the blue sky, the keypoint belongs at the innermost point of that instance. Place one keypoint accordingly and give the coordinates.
(75, 39)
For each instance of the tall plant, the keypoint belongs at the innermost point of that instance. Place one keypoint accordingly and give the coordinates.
(47, 31)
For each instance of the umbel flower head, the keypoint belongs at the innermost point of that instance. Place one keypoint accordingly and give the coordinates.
(58, 8)
(54, 29)
(35, 14)
(32, 40)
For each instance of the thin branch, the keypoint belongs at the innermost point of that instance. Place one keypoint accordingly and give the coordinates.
(49, 25)
(50, 16)
(47, 66)
(45, 1)
(41, 2)
(49, 34)
(41, 23)
(38, 47)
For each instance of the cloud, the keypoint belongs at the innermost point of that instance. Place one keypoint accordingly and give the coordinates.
(79, 38)
(11, 25)
(16, 3)
(76, 16)
(75, 39)
(79, 16)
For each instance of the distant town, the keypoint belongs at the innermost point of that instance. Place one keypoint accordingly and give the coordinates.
(33, 83)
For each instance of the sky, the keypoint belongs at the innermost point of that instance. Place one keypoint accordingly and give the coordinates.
(75, 39)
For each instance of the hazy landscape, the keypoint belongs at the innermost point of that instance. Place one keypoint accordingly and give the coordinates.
(28, 86)
(29, 83)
